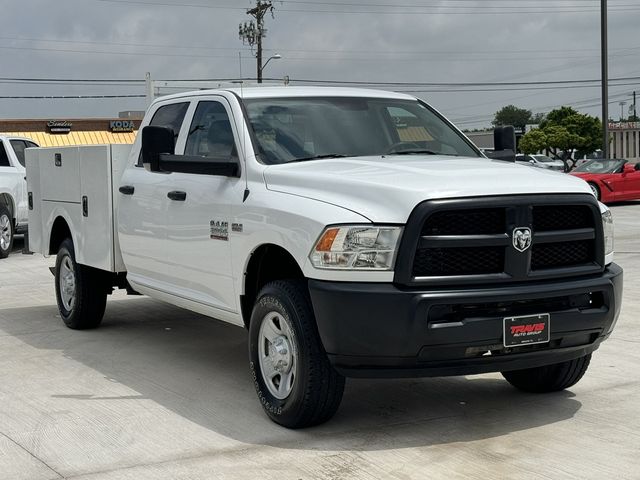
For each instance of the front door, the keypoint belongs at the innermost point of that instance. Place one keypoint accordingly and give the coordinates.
(142, 209)
(198, 250)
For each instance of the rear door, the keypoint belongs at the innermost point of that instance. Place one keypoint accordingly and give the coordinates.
(142, 207)
(19, 147)
(198, 249)
(12, 179)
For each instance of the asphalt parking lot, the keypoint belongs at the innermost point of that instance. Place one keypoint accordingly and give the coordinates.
(162, 393)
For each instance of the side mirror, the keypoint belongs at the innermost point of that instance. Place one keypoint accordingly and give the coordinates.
(532, 162)
(629, 168)
(156, 141)
(504, 140)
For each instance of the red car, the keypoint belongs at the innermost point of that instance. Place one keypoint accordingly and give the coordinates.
(611, 180)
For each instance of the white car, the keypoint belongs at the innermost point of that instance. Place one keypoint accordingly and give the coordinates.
(13, 190)
(541, 161)
(354, 233)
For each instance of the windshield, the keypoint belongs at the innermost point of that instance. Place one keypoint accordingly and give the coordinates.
(296, 129)
(601, 166)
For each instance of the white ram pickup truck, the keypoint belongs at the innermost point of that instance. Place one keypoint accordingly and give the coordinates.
(354, 233)
(13, 190)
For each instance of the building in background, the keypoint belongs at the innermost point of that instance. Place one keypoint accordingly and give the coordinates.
(625, 140)
(64, 132)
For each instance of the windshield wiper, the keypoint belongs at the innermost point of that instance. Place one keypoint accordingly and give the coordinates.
(317, 157)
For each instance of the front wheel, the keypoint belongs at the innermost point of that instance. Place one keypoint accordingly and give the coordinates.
(550, 378)
(80, 290)
(6, 232)
(595, 190)
(294, 380)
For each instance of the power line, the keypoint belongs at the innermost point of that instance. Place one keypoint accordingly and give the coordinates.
(437, 9)
(549, 83)
(453, 84)
(491, 53)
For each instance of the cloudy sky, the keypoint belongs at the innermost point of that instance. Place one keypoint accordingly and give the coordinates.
(406, 41)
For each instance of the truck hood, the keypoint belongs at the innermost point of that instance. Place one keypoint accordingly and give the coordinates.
(387, 189)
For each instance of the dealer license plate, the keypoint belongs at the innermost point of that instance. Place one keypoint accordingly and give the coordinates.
(526, 330)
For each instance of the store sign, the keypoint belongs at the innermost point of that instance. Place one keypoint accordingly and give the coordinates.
(60, 127)
(624, 126)
(121, 126)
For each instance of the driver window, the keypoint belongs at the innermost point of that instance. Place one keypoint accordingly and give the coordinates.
(210, 134)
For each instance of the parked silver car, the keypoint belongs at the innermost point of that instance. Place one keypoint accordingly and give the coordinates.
(541, 161)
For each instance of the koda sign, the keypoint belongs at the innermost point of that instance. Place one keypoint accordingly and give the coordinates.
(117, 126)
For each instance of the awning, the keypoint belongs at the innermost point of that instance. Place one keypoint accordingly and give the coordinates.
(75, 138)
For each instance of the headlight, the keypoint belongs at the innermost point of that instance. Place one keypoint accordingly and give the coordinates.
(356, 248)
(607, 224)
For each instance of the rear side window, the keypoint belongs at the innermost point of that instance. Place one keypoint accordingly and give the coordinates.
(18, 148)
(170, 116)
(4, 158)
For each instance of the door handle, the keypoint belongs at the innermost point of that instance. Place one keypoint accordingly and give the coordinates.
(127, 190)
(177, 196)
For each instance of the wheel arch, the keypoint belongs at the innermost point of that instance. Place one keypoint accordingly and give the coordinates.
(60, 230)
(7, 200)
(268, 262)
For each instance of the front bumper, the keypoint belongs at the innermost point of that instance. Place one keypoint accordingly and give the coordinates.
(381, 330)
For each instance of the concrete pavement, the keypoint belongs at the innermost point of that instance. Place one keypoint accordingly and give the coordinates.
(162, 393)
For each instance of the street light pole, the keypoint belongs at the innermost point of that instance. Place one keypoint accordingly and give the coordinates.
(261, 68)
(605, 78)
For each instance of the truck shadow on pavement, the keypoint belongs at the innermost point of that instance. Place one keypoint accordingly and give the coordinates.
(197, 368)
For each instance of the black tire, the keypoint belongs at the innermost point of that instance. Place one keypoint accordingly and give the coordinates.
(596, 190)
(6, 229)
(550, 378)
(316, 389)
(89, 291)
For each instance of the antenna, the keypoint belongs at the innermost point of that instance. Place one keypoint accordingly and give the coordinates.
(244, 133)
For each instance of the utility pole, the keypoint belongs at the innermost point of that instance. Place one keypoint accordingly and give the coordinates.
(622, 104)
(252, 32)
(605, 77)
(635, 112)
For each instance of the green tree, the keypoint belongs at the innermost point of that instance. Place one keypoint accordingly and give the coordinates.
(558, 116)
(568, 130)
(534, 141)
(512, 115)
(537, 119)
(588, 128)
(559, 138)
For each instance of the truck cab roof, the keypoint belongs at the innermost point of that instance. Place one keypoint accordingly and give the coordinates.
(251, 92)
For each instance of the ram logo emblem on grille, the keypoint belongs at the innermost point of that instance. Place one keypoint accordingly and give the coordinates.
(521, 239)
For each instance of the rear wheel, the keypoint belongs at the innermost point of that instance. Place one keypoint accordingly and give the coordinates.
(6, 232)
(595, 189)
(295, 382)
(550, 378)
(80, 290)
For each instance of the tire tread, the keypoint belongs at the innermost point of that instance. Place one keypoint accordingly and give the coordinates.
(91, 295)
(324, 386)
